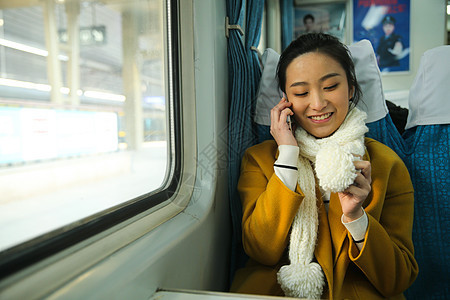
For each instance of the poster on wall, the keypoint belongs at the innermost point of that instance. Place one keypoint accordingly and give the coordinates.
(327, 17)
(386, 24)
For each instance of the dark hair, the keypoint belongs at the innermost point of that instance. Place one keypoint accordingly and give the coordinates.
(325, 44)
(308, 16)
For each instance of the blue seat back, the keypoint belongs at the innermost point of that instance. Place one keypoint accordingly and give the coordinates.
(424, 147)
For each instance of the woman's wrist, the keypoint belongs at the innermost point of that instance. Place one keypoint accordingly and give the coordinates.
(350, 217)
(286, 140)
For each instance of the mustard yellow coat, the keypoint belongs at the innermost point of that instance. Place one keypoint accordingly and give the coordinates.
(384, 267)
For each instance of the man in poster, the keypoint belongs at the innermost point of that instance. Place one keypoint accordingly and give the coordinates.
(308, 21)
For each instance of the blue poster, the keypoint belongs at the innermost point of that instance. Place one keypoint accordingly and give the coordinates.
(386, 24)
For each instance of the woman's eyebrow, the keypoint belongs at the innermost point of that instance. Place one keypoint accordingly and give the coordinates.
(298, 83)
(323, 78)
(329, 76)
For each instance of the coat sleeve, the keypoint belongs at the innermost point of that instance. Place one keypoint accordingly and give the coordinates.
(387, 257)
(269, 207)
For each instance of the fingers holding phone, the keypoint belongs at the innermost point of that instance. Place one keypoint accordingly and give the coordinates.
(289, 117)
(281, 125)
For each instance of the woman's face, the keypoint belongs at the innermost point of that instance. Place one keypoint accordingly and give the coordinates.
(388, 28)
(316, 84)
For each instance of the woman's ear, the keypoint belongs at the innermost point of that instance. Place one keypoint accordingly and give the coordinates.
(351, 93)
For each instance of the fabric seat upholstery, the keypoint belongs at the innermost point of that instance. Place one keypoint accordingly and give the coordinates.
(424, 147)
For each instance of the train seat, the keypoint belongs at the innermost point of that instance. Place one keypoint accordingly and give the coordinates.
(268, 94)
(427, 138)
(424, 147)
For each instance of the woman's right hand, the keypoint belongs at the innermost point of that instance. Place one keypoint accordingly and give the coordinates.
(279, 128)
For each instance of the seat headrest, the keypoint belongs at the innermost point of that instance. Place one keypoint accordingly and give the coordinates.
(268, 94)
(429, 95)
(369, 78)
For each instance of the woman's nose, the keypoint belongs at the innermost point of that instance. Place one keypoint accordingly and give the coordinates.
(318, 102)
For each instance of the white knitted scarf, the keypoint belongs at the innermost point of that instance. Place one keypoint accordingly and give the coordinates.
(332, 158)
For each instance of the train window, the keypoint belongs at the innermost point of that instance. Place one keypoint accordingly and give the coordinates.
(87, 115)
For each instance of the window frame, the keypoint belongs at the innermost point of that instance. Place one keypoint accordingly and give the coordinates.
(22, 256)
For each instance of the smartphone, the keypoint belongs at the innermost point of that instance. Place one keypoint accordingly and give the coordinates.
(288, 120)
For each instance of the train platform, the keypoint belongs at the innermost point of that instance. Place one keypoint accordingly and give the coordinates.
(48, 195)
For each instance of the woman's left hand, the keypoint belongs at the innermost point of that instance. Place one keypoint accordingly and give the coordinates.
(355, 195)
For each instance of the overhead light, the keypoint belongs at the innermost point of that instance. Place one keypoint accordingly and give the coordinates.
(66, 91)
(63, 90)
(25, 84)
(34, 86)
(2, 22)
(23, 47)
(448, 9)
(104, 96)
(28, 49)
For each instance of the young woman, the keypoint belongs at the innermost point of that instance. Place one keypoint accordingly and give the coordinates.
(327, 213)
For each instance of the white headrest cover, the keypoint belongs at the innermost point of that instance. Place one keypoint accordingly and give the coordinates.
(369, 78)
(268, 93)
(429, 95)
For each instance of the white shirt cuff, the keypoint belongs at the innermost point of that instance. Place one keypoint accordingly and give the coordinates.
(288, 156)
(357, 228)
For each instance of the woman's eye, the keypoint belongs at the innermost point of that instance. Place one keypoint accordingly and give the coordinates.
(331, 87)
(301, 94)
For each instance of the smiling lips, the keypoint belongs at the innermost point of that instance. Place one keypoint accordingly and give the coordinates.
(321, 117)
